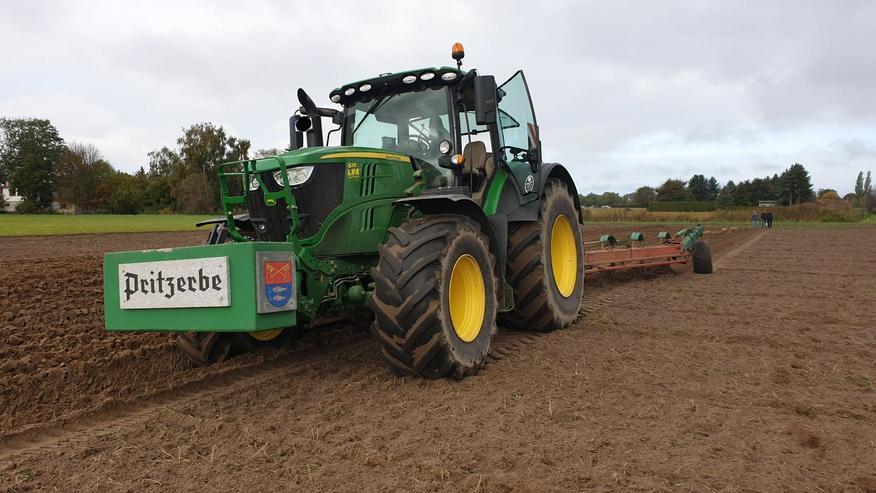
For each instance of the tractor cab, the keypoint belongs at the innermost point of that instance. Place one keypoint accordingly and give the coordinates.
(456, 125)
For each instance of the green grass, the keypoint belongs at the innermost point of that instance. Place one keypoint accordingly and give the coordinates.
(58, 224)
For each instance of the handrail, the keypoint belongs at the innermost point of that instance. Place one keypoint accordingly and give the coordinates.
(270, 198)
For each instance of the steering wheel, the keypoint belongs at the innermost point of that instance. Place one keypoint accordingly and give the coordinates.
(515, 151)
(423, 144)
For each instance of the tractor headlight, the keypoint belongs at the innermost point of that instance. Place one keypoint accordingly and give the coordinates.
(253, 184)
(444, 147)
(296, 176)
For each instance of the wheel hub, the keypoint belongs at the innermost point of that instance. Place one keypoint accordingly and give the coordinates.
(564, 256)
(467, 298)
(266, 335)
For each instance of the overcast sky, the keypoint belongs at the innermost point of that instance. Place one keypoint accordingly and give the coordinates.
(626, 93)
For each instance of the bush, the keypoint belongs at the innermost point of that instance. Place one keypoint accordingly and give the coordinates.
(808, 212)
(681, 206)
(644, 215)
(28, 206)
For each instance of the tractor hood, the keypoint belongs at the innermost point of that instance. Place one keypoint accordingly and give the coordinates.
(300, 193)
(310, 156)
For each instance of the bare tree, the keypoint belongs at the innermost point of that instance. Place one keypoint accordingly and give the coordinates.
(81, 176)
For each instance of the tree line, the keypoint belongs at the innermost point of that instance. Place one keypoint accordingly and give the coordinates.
(793, 186)
(182, 178)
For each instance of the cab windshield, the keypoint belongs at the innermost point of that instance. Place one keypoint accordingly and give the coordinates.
(412, 123)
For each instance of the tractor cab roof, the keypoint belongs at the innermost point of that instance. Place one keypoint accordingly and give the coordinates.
(411, 80)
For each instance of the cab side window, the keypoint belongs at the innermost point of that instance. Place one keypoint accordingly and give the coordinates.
(515, 114)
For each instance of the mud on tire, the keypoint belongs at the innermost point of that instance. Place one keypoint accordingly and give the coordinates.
(205, 348)
(413, 322)
(539, 304)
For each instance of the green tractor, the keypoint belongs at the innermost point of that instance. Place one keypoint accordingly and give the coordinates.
(436, 216)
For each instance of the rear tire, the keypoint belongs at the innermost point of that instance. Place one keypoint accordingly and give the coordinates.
(702, 257)
(435, 297)
(546, 265)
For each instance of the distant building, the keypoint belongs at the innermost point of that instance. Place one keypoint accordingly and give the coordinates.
(767, 203)
(10, 199)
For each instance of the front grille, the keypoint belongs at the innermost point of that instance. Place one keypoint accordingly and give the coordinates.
(316, 199)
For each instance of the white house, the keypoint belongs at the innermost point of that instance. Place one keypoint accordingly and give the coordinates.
(10, 199)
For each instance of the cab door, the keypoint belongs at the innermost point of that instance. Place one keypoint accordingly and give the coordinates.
(521, 149)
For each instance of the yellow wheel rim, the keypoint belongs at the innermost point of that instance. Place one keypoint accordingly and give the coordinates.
(266, 335)
(467, 297)
(564, 256)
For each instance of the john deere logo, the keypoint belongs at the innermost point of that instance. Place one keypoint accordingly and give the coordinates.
(528, 184)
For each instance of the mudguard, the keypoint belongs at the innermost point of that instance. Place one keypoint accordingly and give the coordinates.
(558, 171)
(497, 231)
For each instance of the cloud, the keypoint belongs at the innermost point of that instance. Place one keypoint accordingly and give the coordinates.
(626, 93)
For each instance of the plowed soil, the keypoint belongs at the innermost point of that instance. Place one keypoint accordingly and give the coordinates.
(758, 377)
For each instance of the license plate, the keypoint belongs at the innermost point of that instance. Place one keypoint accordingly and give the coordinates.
(190, 283)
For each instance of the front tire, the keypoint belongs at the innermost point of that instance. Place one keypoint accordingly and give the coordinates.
(435, 297)
(546, 264)
(207, 348)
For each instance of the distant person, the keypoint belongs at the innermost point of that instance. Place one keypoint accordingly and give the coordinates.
(769, 223)
(754, 219)
(763, 218)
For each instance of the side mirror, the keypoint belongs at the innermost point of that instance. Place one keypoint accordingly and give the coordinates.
(486, 107)
(296, 136)
(303, 123)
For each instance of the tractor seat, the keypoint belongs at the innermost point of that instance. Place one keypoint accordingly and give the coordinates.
(479, 164)
(475, 159)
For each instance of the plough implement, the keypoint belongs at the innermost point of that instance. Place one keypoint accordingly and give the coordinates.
(683, 247)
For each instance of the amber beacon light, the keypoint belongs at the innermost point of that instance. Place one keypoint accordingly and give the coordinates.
(458, 53)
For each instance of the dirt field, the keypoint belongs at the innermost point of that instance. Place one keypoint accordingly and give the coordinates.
(761, 376)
